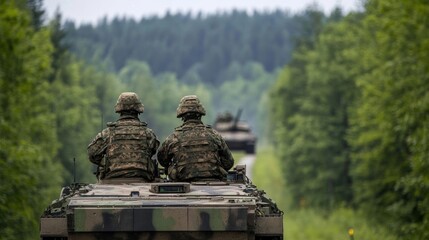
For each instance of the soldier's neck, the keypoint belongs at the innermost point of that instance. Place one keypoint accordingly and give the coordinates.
(192, 121)
(128, 115)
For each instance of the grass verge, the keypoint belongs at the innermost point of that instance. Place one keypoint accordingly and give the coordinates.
(308, 224)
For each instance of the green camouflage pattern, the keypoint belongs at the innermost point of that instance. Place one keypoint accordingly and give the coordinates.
(190, 103)
(233, 209)
(195, 151)
(129, 101)
(125, 149)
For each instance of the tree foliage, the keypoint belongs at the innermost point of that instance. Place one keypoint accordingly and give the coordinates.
(27, 141)
(204, 45)
(310, 104)
(350, 115)
(391, 123)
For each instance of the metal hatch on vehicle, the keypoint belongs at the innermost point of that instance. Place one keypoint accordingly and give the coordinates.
(170, 187)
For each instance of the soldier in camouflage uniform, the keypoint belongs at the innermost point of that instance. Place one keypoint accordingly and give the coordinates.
(194, 151)
(125, 148)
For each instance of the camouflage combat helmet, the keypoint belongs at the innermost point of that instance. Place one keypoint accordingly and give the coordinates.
(190, 103)
(128, 101)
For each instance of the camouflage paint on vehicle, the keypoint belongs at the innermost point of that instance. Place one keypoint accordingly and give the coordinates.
(234, 209)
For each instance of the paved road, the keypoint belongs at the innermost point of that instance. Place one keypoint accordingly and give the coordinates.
(248, 160)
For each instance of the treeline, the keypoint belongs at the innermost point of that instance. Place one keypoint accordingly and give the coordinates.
(235, 56)
(198, 49)
(350, 116)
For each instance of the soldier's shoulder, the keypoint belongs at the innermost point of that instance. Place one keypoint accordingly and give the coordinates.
(101, 135)
(137, 123)
(179, 128)
(106, 131)
(171, 139)
(217, 134)
(149, 130)
(211, 129)
(111, 124)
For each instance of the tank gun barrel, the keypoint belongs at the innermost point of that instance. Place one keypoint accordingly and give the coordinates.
(237, 118)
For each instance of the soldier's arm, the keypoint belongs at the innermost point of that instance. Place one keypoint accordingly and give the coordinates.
(226, 158)
(164, 152)
(153, 143)
(97, 148)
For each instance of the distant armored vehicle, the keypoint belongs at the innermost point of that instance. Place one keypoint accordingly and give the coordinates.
(237, 134)
(128, 209)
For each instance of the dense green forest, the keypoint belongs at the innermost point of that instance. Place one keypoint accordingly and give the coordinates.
(342, 99)
(195, 48)
(354, 104)
(236, 55)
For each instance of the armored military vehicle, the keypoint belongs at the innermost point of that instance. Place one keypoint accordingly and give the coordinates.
(129, 209)
(237, 134)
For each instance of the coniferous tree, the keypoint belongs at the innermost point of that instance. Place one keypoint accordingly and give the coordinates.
(30, 176)
(179, 42)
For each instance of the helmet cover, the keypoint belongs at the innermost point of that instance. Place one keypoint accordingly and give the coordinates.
(190, 103)
(129, 101)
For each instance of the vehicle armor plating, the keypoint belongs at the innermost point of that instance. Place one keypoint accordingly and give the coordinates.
(129, 209)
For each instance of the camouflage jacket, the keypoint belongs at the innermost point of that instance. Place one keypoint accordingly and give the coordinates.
(125, 149)
(195, 151)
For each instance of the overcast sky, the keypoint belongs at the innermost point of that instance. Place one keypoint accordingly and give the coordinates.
(84, 11)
